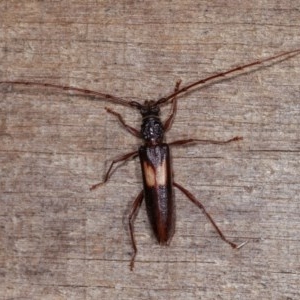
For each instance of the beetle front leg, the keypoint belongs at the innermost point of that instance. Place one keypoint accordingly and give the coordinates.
(109, 172)
(134, 210)
(169, 121)
(130, 129)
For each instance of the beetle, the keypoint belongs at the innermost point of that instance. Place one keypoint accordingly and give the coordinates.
(154, 154)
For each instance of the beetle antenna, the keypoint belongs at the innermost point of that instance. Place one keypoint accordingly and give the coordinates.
(106, 97)
(289, 54)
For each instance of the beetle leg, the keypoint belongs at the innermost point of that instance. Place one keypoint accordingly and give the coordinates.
(109, 172)
(169, 121)
(200, 205)
(193, 141)
(130, 129)
(134, 210)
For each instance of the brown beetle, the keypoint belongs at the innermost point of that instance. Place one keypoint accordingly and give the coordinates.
(155, 154)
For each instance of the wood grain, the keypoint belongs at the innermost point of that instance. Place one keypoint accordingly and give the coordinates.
(58, 240)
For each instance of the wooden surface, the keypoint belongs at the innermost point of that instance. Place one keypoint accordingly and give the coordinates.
(58, 240)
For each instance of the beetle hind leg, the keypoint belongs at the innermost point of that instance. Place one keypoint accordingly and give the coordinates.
(134, 210)
(201, 206)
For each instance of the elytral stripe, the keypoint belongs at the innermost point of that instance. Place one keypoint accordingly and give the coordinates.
(155, 176)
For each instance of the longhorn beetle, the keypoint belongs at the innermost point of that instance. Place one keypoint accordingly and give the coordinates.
(155, 154)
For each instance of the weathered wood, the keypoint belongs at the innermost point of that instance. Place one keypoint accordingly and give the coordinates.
(58, 240)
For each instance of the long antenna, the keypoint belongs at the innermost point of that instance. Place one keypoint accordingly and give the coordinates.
(289, 54)
(72, 88)
(137, 105)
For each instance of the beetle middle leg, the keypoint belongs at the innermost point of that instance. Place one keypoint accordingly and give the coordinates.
(123, 158)
(191, 141)
(201, 206)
